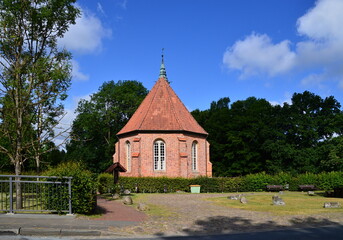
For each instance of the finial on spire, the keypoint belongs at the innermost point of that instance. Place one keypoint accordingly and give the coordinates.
(163, 73)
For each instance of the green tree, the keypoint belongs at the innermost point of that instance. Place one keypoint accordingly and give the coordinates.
(215, 121)
(308, 122)
(251, 136)
(251, 125)
(98, 120)
(34, 74)
(332, 159)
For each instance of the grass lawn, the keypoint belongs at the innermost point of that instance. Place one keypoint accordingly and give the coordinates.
(297, 203)
(154, 210)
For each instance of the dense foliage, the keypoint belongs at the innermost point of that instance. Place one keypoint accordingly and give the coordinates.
(98, 120)
(84, 185)
(251, 182)
(252, 136)
(34, 76)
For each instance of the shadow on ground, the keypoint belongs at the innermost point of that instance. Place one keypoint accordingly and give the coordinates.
(99, 210)
(225, 225)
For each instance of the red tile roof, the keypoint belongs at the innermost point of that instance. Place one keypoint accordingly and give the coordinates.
(162, 110)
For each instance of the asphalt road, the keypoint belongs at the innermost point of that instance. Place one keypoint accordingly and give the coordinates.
(326, 233)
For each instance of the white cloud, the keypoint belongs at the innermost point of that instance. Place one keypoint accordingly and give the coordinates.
(86, 35)
(323, 22)
(257, 54)
(321, 51)
(287, 99)
(77, 74)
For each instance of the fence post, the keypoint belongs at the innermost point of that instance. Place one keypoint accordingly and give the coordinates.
(11, 195)
(69, 190)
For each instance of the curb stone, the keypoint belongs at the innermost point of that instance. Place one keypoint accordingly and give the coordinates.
(49, 232)
(9, 232)
(91, 233)
(39, 231)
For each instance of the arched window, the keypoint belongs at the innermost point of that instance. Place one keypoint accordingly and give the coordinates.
(194, 156)
(128, 156)
(159, 155)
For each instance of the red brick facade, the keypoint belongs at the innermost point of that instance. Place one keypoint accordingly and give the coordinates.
(178, 162)
(162, 118)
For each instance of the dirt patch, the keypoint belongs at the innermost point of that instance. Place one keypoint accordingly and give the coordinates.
(193, 214)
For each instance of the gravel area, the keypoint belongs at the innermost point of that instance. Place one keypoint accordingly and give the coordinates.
(192, 214)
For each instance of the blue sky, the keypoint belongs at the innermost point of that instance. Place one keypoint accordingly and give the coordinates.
(213, 48)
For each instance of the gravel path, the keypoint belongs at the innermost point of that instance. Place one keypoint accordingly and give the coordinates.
(192, 214)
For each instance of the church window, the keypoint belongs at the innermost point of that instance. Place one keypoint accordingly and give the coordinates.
(128, 156)
(159, 155)
(194, 156)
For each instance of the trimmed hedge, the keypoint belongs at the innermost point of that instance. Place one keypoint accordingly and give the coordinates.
(330, 181)
(83, 186)
(249, 183)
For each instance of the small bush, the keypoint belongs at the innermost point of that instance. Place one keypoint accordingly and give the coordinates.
(83, 186)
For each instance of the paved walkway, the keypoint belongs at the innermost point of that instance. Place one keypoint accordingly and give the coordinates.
(114, 214)
(117, 211)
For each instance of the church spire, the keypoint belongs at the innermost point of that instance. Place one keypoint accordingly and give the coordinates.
(163, 73)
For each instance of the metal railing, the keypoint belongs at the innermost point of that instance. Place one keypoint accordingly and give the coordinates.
(35, 194)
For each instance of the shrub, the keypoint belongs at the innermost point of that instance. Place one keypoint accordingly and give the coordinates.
(207, 184)
(307, 178)
(329, 181)
(252, 182)
(105, 183)
(164, 184)
(232, 184)
(154, 184)
(83, 186)
(256, 182)
(282, 178)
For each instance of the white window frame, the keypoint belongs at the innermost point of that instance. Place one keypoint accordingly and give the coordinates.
(194, 156)
(159, 152)
(128, 156)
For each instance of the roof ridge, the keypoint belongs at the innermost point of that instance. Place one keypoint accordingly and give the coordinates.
(182, 104)
(172, 105)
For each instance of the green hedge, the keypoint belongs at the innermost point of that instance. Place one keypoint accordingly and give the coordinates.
(249, 183)
(83, 187)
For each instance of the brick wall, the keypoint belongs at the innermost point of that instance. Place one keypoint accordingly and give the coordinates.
(178, 149)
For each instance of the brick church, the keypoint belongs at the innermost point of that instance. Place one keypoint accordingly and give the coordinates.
(162, 139)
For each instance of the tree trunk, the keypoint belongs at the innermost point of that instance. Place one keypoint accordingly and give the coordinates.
(19, 199)
(37, 164)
